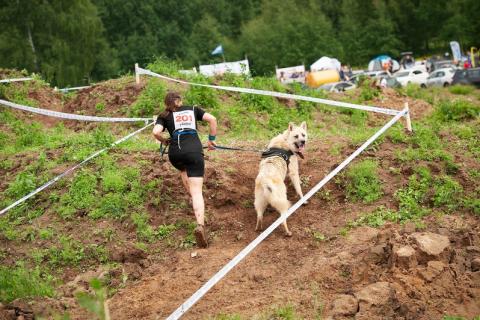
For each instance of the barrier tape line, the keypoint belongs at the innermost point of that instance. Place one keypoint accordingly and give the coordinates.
(240, 256)
(391, 112)
(49, 183)
(73, 88)
(69, 116)
(15, 80)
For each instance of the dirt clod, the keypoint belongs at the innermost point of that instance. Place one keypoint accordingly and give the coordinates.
(430, 246)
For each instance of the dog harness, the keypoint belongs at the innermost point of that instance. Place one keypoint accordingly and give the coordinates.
(277, 152)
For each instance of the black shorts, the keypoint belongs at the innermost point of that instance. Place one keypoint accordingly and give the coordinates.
(192, 162)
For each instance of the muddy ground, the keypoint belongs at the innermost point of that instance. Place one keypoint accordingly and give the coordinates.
(393, 272)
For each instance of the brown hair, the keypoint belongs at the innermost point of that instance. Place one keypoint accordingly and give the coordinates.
(170, 105)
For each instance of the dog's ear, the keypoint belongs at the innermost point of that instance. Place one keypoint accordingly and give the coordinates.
(304, 125)
(290, 126)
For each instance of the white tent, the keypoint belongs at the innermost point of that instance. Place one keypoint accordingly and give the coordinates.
(326, 63)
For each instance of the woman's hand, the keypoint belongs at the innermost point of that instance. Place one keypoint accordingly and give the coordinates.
(211, 145)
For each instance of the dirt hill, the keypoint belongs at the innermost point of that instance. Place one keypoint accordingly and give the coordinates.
(336, 265)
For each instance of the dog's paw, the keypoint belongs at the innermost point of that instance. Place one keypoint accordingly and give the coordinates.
(288, 234)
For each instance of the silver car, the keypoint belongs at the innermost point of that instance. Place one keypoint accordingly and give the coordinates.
(441, 77)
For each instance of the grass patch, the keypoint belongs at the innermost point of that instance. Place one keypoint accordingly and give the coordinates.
(457, 110)
(362, 182)
(150, 101)
(21, 282)
(461, 89)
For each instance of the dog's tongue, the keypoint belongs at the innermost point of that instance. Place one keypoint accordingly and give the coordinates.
(300, 151)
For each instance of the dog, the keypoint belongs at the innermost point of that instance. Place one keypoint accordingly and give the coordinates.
(281, 157)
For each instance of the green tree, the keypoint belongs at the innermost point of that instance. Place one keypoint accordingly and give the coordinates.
(288, 33)
(366, 30)
(61, 39)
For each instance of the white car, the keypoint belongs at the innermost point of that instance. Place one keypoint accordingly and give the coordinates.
(412, 76)
(441, 77)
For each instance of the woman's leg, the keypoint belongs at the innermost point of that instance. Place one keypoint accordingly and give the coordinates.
(184, 176)
(196, 184)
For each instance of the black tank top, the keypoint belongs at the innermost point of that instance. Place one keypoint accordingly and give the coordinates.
(182, 126)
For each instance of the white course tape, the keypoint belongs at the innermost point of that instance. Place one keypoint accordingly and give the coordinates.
(15, 80)
(392, 112)
(90, 157)
(69, 116)
(240, 256)
(74, 88)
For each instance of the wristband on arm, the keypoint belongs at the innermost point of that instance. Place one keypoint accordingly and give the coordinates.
(211, 138)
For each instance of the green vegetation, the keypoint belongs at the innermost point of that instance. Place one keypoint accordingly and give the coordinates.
(461, 89)
(21, 282)
(150, 101)
(118, 197)
(95, 303)
(50, 36)
(457, 110)
(362, 181)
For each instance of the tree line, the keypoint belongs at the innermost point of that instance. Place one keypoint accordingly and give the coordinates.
(73, 42)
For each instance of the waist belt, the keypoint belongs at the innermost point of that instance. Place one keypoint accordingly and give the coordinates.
(277, 152)
(178, 133)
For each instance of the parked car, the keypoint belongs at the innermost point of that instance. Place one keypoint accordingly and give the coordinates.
(392, 82)
(412, 76)
(338, 86)
(441, 77)
(434, 65)
(376, 74)
(467, 76)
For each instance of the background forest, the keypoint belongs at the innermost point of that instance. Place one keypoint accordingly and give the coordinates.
(73, 42)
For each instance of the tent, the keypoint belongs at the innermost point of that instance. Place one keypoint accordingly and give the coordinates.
(379, 63)
(325, 63)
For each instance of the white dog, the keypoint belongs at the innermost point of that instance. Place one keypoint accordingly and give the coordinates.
(281, 157)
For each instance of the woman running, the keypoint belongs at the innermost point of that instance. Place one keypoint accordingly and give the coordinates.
(186, 151)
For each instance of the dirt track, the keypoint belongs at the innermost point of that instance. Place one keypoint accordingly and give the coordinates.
(369, 274)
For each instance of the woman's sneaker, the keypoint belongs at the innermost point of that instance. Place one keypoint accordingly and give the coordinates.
(200, 236)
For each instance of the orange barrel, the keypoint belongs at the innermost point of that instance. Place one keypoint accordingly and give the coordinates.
(318, 78)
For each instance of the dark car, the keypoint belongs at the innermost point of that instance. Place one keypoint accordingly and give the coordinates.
(467, 76)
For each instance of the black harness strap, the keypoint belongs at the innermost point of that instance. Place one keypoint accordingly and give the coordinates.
(277, 152)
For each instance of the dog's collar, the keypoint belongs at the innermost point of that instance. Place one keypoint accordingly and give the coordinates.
(277, 152)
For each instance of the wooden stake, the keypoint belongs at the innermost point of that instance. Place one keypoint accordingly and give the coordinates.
(137, 76)
(407, 118)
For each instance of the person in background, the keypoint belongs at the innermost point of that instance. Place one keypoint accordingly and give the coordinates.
(342, 73)
(186, 152)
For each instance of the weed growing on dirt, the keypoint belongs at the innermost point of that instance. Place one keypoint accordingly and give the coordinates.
(446, 193)
(414, 195)
(95, 303)
(457, 110)
(164, 66)
(69, 253)
(461, 89)
(21, 282)
(145, 231)
(375, 219)
(150, 101)
(102, 137)
(368, 90)
(203, 97)
(81, 194)
(362, 182)
(18, 92)
(286, 312)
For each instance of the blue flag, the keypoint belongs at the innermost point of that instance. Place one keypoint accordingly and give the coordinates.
(217, 50)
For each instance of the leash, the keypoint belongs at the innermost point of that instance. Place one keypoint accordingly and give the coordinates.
(164, 149)
(235, 149)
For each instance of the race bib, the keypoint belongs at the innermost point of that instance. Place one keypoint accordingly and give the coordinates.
(184, 120)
